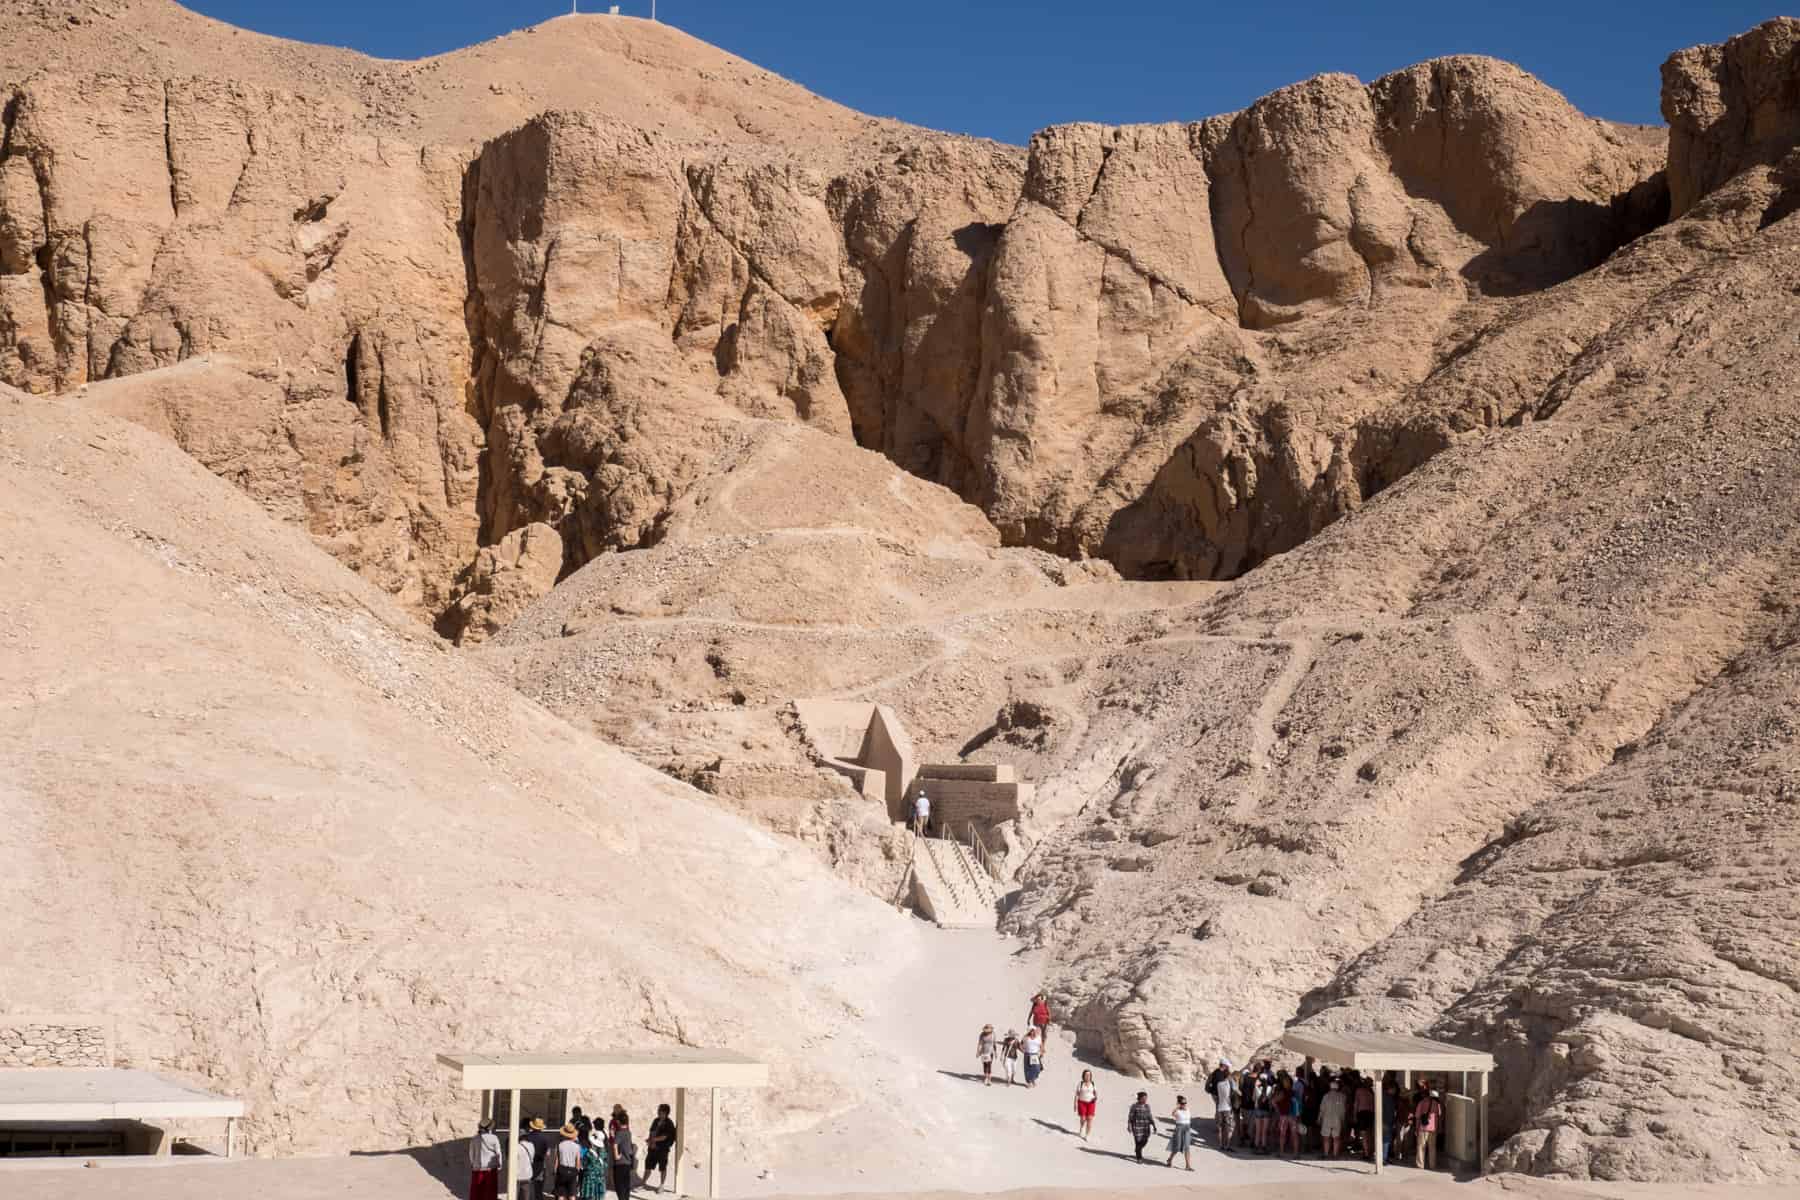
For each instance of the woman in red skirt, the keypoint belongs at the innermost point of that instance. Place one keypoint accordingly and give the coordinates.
(1087, 1099)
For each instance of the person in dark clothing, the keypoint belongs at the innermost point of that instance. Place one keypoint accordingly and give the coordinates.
(624, 1155)
(543, 1142)
(657, 1147)
(584, 1125)
(1140, 1122)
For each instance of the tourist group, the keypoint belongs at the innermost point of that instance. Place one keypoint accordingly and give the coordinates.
(1016, 1056)
(582, 1159)
(1258, 1110)
(1310, 1110)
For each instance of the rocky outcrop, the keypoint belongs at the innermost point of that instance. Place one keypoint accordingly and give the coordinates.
(1731, 107)
(149, 222)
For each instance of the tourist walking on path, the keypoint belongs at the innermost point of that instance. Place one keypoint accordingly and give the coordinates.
(1223, 1088)
(1040, 1017)
(565, 1164)
(594, 1163)
(1332, 1110)
(986, 1046)
(1181, 1141)
(1034, 1056)
(1010, 1051)
(1426, 1119)
(657, 1145)
(921, 813)
(1087, 1099)
(484, 1163)
(624, 1155)
(1140, 1123)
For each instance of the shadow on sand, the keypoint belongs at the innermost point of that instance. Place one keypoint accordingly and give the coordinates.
(446, 1162)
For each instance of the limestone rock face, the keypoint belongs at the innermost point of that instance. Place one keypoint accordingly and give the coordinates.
(504, 578)
(1731, 107)
(145, 223)
(1189, 325)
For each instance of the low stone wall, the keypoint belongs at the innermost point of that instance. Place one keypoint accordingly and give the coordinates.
(55, 1040)
(956, 801)
(979, 772)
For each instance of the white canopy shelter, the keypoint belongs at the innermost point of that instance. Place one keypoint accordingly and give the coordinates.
(1374, 1053)
(83, 1094)
(676, 1067)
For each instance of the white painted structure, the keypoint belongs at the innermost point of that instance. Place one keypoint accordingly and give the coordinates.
(676, 1067)
(50, 1095)
(1374, 1053)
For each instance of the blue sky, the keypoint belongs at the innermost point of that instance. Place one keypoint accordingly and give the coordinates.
(1004, 68)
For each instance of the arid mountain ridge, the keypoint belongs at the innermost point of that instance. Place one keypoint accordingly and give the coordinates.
(1483, 407)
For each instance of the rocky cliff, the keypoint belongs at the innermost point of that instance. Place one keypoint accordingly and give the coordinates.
(1458, 428)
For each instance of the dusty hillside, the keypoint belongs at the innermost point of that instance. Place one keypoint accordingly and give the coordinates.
(1483, 408)
(302, 847)
(1240, 797)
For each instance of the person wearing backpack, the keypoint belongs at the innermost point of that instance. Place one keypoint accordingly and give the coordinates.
(1010, 1051)
(1222, 1087)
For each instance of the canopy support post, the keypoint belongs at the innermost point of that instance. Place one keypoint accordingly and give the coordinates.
(1482, 1125)
(509, 1150)
(680, 1134)
(230, 1136)
(712, 1149)
(1375, 1149)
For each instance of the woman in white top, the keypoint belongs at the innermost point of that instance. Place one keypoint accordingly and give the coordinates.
(1087, 1098)
(1034, 1056)
(1182, 1140)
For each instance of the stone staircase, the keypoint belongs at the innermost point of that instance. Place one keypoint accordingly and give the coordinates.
(951, 885)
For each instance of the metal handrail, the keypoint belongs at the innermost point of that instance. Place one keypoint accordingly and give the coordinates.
(912, 858)
(979, 849)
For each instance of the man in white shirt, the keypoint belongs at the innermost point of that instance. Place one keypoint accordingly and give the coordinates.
(525, 1168)
(921, 813)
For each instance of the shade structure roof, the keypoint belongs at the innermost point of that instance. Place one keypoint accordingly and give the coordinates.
(584, 1070)
(103, 1094)
(1386, 1052)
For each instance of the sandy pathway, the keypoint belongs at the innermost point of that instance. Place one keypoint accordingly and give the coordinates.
(965, 1136)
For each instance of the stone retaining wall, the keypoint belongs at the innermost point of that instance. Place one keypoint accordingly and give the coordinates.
(33, 1040)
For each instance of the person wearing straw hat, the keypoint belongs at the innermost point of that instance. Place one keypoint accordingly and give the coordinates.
(1010, 1049)
(565, 1163)
(986, 1046)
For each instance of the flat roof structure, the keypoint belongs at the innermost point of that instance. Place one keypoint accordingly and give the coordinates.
(1379, 1052)
(676, 1067)
(1386, 1052)
(586, 1070)
(71, 1094)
